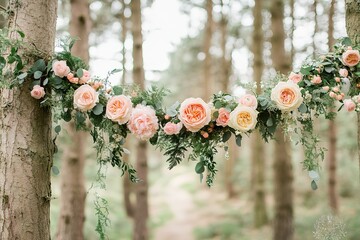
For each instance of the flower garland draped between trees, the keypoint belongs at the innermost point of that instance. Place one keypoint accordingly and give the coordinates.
(62, 82)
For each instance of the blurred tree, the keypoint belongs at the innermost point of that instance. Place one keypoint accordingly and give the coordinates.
(72, 200)
(283, 175)
(314, 10)
(3, 5)
(141, 210)
(332, 179)
(353, 30)
(209, 26)
(26, 144)
(258, 159)
(292, 29)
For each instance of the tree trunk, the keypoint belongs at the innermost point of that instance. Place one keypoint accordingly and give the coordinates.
(258, 163)
(123, 21)
(3, 5)
(314, 9)
(332, 180)
(292, 16)
(141, 206)
(353, 30)
(72, 200)
(283, 175)
(207, 44)
(26, 144)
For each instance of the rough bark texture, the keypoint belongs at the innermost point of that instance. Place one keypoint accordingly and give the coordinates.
(141, 206)
(207, 81)
(72, 201)
(314, 8)
(3, 5)
(332, 180)
(26, 144)
(353, 31)
(258, 163)
(123, 21)
(283, 175)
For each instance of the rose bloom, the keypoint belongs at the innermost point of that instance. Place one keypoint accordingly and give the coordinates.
(349, 105)
(85, 77)
(118, 109)
(243, 118)
(85, 98)
(326, 88)
(143, 122)
(248, 100)
(37, 92)
(287, 96)
(316, 80)
(351, 57)
(60, 68)
(194, 113)
(295, 77)
(172, 128)
(223, 118)
(343, 72)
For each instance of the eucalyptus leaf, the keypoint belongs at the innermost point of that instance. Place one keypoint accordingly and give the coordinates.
(238, 140)
(199, 168)
(302, 108)
(98, 109)
(117, 90)
(37, 74)
(79, 73)
(226, 136)
(269, 122)
(55, 170)
(314, 185)
(22, 76)
(57, 129)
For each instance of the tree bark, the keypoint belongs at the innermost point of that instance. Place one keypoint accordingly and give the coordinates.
(123, 21)
(26, 144)
(314, 8)
(258, 163)
(72, 200)
(332, 180)
(283, 175)
(141, 206)
(353, 31)
(207, 44)
(3, 4)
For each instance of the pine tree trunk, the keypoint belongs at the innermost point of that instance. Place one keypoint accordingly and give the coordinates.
(207, 44)
(26, 144)
(332, 180)
(353, 30)
(258, 159)
(3, 4)
(283, 175)
(72, 200)
(141, 206)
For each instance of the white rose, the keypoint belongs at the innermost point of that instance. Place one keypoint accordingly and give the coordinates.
(85, 98)
(287, 96)
(243, 118)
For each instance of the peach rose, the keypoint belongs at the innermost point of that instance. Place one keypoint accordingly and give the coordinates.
(85, 98)
(118, 109)
(223, 118)
(287, 96)
(326, 88)
(349, 105)
(351, 57)
(337, 79)
(74, 80)
(295, 77)
(194, 113)
(172, 128)
(316, 80)
(243, 118)
(143, 122)
(343, 72)
(60, 68)
(332, 94)
(85, 77)
(37, 92)
(248, 100)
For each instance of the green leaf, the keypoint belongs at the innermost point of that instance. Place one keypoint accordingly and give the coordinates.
(303, 108)
(329, 69)
(57, 80)
(66, 116)
(346, 41)
(116, 70)
(80, 117)
(216, 114)
(314, 185)
(79, 73)
(39, 65)
(98, 109)
(45, 82)
(218, 104)
(22, 35)
(226, 136)
(238, 140)
(57, 129)
(37, 74)
(199, 168)
(305, 70)
(117, 90)
(269, 122)
(154, 139)
(55, 170)
(22, 76)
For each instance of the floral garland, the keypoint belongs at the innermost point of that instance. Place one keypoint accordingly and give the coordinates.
(62, 82)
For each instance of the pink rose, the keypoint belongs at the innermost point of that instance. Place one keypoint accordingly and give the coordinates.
(143, 122)
(37, 92)
(223, 118)
(343, 72)
(337, 79)
(295, 77)
(60, 68)
(74, 80)
(248, 100)
(326, 88)
(316, 80)
(351, 57)
(339, 97)
(97, 85)
(85, 77)
(118, 109)
(349, 105)
(85, 98)
(172, 128)
(194, 113)
(332, 94)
